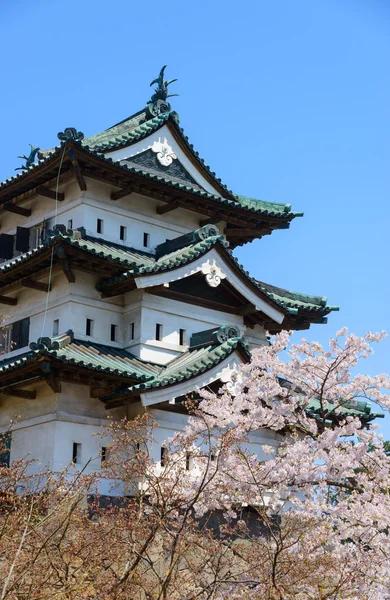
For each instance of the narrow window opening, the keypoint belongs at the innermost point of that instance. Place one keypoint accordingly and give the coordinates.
(89, 327)
(103, 455)
(123, 233)
(76, 456)
(70, 224)
(146, 240)
(159, 332)
(182, 337)
(188, 461)
(99, 225)
(212, 457)
(163, 456)
(132, 330)
(113, 332)
(56, 327)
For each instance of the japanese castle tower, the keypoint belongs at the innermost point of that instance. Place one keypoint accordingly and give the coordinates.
(120, 285)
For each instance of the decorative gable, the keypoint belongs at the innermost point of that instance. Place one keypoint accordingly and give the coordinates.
(161, 159)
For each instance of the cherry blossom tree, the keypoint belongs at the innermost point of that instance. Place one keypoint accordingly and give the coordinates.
(306, 518)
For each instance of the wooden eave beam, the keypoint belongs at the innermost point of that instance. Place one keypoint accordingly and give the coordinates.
(43, 191)
(162, 210)
(63, 262)
(54, 384)
(19, 210)
(19, 393)
(21, 194)
(77, 170)
(9, 301)
(245, 232)
(122, 193)
(35, 285)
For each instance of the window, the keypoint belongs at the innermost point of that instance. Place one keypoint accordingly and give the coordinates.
(182, 337)
(159, 331)
(15, 336)
(99, 225)
(56, 327)
(89, 327)
(113, 332)
(103, 455)
(163, 456)
(123, 233)
(70, 224)
(76, 455)
(5, 449)
(188, 461)
(132, 330)
(146, 240)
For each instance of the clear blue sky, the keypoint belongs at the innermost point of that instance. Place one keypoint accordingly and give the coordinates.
(287, 101)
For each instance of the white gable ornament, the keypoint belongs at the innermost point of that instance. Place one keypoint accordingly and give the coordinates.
(165, 154)
(213, 273)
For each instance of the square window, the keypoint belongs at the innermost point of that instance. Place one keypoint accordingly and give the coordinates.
(123, 233)
(89, 327)
(182, 337)
(132, 330)
(159, 332)
(113, 332)
(146, 240)
(99, 225)
(56, 327)
(76, 455)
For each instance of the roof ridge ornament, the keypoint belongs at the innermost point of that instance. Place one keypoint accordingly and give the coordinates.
(158, 103)
(30, 159)
(70, 133)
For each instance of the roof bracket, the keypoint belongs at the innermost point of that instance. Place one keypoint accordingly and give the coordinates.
(161, 210)
(19, 393)
(122, 193)
(35, 285)
(43, 191)
(19, 210)
(60, 251)
(77, 170)
(8, 300)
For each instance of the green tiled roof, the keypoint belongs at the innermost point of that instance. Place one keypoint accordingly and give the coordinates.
(270, 208)
(115, 361)
(126, 132)
(363, 410)
(296, 300)
(98, 357)
(192, 363)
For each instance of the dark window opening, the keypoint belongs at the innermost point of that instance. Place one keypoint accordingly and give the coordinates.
(99, 225)
(132, 330)
(123, 232)
(182, 337)
(15, 336)
(159, 331)
(103, 454)
(5, 449)
(89, 327)
(188, 461)
(163, 456)
(56, 327)
(76, 454)
(70, 224)
(113, 333)
(146, 239)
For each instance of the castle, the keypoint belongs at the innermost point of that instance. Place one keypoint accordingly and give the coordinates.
(120, 285)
